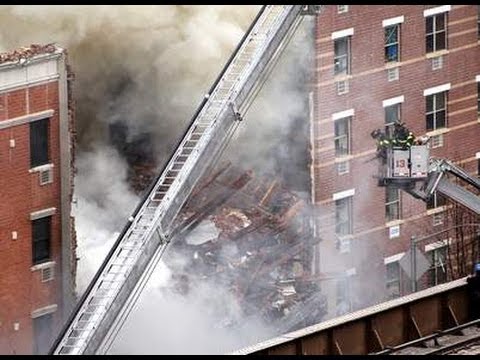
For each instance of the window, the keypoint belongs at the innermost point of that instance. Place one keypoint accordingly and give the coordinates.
(392, 203)
(342, 9)
(436, 200)
(478, 21)
(478, 99)
(437, 274)
(41, 239)
(342, 137)
(42, 330)
(39, 143)
(392, 43)
(393, 280)
(341, 59)
(343, 216)
(436, 32)
(436, 111)
(392, 115)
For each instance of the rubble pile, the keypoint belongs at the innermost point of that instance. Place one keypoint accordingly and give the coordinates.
(252, 236)
(27, 52)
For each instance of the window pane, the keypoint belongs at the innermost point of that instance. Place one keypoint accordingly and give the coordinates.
(440, 121)
(340, 65)
(40, 251)
(478, 97)
(440, 41)
(440, 101)
(429, 43)
(39, 142)
(391, 53)
(391, 34)
(392, 114)
(429, 121)
(340, 47)
(341, 127)
(393, 271)
(41, 239)
(429, 24)
(42, 329)
(429, 103)
(439, 22)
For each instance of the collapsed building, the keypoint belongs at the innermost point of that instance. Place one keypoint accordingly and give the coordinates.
(251, 235)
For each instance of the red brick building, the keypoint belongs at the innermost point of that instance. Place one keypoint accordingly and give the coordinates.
(37, 240)
(376, 64)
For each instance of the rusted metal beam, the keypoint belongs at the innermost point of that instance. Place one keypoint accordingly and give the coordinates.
(371, 329)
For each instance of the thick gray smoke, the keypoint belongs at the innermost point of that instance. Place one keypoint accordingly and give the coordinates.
(144, 69)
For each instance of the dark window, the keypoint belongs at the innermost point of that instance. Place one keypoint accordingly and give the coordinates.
(341, 59)
(437, 274)
(392, 115)
(41, 239)
(392, 43)
(39, 142)
(436, 32)
(436, 111)
(478, 21)
(392, 203)
(342, 137)
(42, 330)
(478, 99)
(393, 280)
(436, 200)
(343, 216)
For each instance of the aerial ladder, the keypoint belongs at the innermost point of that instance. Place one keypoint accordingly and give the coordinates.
(109, 298)
(413, 170)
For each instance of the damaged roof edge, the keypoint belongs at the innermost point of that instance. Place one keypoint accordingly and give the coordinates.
(28, 55)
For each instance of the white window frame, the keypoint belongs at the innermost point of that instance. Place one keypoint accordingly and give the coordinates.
(442, 89)
(397, 203)
(434, 32)
(435, 266)
(349, 221)
(342, 137)
(340, 35)
(395, 43)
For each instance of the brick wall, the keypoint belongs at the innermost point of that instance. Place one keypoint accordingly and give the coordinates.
(21, 290)
(368, 88)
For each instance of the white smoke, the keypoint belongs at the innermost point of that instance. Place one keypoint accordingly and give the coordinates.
(147, 67)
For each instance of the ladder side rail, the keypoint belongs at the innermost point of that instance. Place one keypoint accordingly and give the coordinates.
(147, 193)
(137, 219)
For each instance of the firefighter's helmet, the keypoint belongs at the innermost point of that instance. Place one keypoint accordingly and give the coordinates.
(375, 133)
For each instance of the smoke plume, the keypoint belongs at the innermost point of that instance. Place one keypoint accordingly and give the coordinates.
(145, 69)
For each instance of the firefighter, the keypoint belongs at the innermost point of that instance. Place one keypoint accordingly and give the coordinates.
(473, 286)
(402, 136)
(382, 142)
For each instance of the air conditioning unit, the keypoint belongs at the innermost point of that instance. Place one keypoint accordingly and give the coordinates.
(46, 176)
(48, 274)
